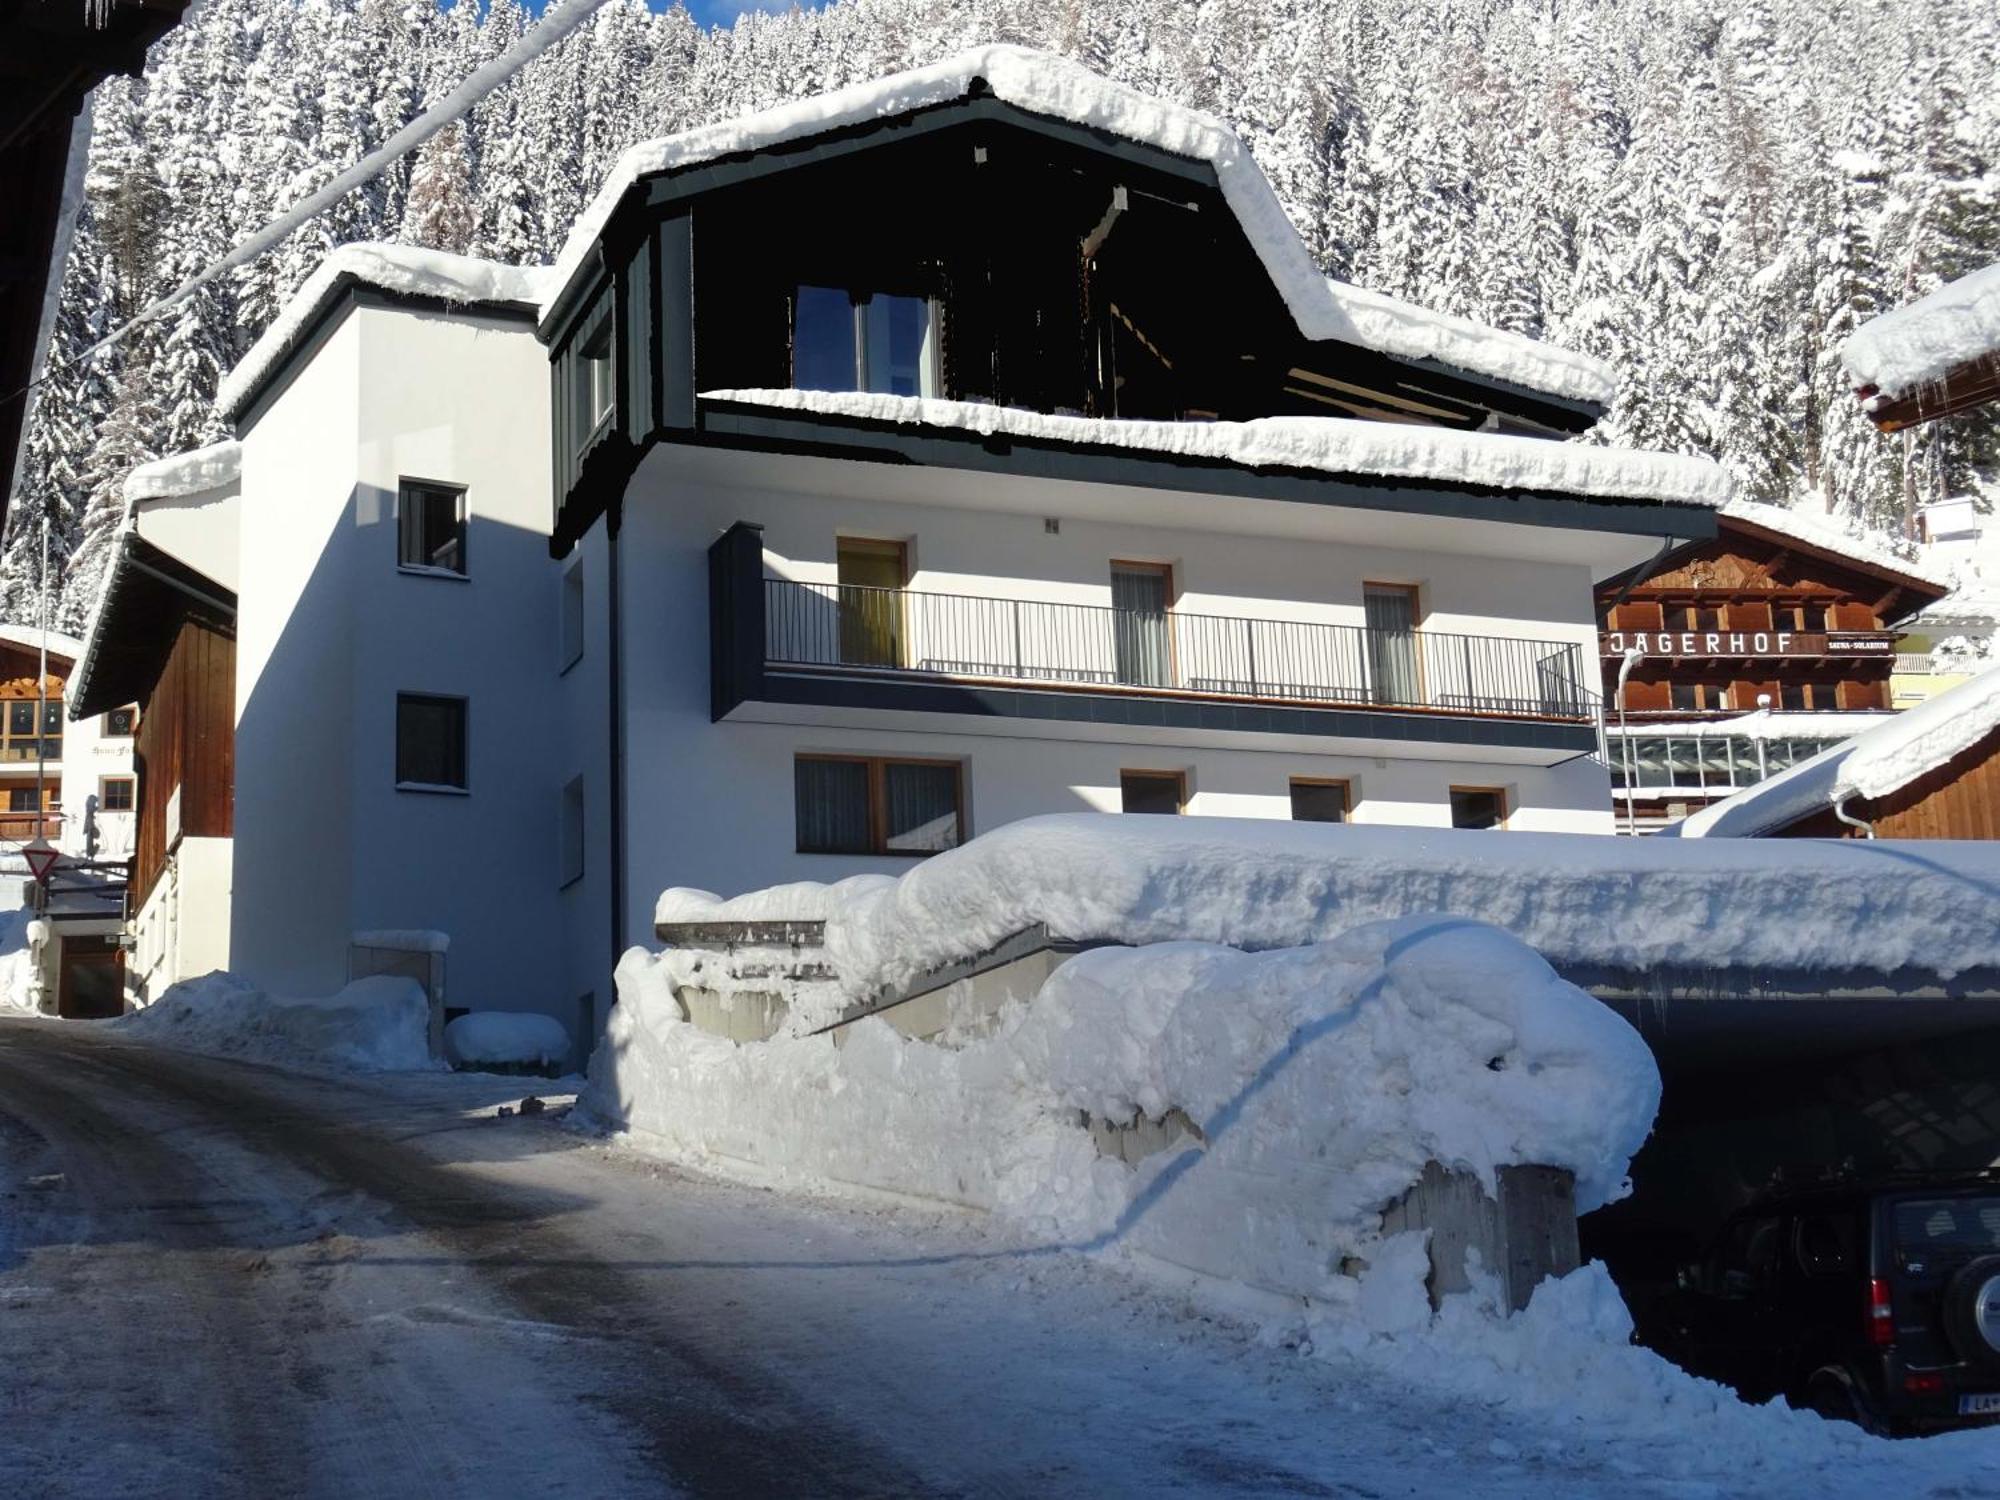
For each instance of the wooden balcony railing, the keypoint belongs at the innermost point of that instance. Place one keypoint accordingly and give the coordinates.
(1088, 646)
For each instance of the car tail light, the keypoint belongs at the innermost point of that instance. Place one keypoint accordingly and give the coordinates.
(1881, 1322)
(1924, 1385)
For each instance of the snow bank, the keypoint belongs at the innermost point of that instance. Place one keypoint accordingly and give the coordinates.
(1875, 764)
(456, 279)
(504, 1038)
(374, 1025)
(17, 964)
(188, 473)
(1320, 1080)
(1336, 445)
(1578, 899)
(1829, 536)
(1056, 87)
(1924, 341)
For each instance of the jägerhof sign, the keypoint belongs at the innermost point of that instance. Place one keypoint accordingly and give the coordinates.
(1679, 644)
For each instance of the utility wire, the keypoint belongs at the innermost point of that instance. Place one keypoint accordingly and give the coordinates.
(558, 23)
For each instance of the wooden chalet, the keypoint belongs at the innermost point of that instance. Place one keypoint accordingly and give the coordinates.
(31, 736)
(1936, 357)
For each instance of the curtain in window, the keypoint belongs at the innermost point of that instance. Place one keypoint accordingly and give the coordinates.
(1392, 644)
(921, 807)
(1139, 625)
(832, 806)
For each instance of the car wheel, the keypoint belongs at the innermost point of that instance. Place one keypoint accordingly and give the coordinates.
(1972, 1311)
(1837, 1396)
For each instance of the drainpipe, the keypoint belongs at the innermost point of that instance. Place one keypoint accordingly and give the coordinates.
(1840, 811)
(1633, 655)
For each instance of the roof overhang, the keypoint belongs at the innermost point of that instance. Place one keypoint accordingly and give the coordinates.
(1964, 387)
(148, 595)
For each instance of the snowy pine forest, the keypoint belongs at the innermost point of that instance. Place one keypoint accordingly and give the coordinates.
(1711, 195)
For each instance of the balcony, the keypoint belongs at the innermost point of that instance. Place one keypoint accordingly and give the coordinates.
(828, 645)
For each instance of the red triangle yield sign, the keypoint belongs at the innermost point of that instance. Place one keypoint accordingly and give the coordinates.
(41, 856)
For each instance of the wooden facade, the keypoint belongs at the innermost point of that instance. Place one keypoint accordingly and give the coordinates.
(1958, 800)
(21, 693)
(1973, 384)
(186, 745)
(1755, 614)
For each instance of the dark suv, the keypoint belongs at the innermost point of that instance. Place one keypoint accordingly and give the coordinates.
(1876, 1303)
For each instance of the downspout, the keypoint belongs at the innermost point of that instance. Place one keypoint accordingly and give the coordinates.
(616, 841)
(1840, 811)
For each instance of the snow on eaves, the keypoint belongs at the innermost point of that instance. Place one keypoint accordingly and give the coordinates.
(1872, 765)
(30, 638)
(1827, 536)
(1045, 84)
(1581, 900)
(1334, 445)
(457, 279)
(190, 473)
(1925, 341)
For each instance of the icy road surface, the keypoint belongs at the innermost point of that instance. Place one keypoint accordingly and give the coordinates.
(223, 1280)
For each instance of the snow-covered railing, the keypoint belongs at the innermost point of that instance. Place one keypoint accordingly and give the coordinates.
(1100, 646)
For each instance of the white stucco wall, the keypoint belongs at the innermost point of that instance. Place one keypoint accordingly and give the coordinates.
(182, 930)
(89, 756)
(330, 631)
(711, 805)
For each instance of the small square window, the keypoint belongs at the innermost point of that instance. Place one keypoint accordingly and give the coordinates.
(1478, 807)
(117, 794)
(1152, 791)
(860, 805)
(430, 527)
(122, 723)
(570, 867)
(430, 743)
(1319, 801)
(570, 648)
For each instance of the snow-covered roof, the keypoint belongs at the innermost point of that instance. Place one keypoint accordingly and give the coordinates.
(1925, 341)
(188, 473)
(29, 638)
(1775, 724)
(1337, 445)
(1056, 87)
(406, 269)
(1872, 765)
(1827, 536)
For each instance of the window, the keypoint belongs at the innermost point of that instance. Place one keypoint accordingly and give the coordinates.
(1152, 791)
(1796, 695)
(1686, 696)
(872, 575)
(1142, 643)
(864, 341)
(1478, 807)
(116, 793)
(863, 805)
(21, 741)
(1390, 610)
(570, 855)
(21, 799)
(1319, 801)
(570, 648)
(121, 723)
(430, 527)
(1812, 617)
(430, 743)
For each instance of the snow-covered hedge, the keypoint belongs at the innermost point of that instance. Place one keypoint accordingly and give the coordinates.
(374, 1025)
(505, 1038)
(1321, 1079)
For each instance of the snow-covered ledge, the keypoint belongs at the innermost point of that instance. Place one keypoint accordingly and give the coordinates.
(1333, 445)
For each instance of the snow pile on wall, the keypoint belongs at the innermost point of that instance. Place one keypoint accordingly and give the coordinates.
(1320, 1079)
(503, 1038)
(1578, 899)
(1333, 445)
(1875, 764)
(187, 473)
(374, 1025)
(1829, 536)
(17, 963)
(1045, 84)
(1924, 341)
(416, 272)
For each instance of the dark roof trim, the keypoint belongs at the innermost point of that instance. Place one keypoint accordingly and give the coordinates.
(741, 425)
(147, 596)
(348, 292)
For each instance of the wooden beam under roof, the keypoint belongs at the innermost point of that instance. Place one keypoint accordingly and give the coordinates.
(1964, 387)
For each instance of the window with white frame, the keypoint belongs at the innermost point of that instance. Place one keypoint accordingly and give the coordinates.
(865, 341)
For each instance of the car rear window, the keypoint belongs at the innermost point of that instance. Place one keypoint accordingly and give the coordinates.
(1948, 1223)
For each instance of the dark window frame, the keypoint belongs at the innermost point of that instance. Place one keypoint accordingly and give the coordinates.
(858, 300)
(412, 546)
(104, 785)
(878, 802)
(462, 786)
(572, 833)
(1142, 773)
(571, 634)
(109, 731)
(1502, 802)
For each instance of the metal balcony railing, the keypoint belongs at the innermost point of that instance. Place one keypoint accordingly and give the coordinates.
(824, 625)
